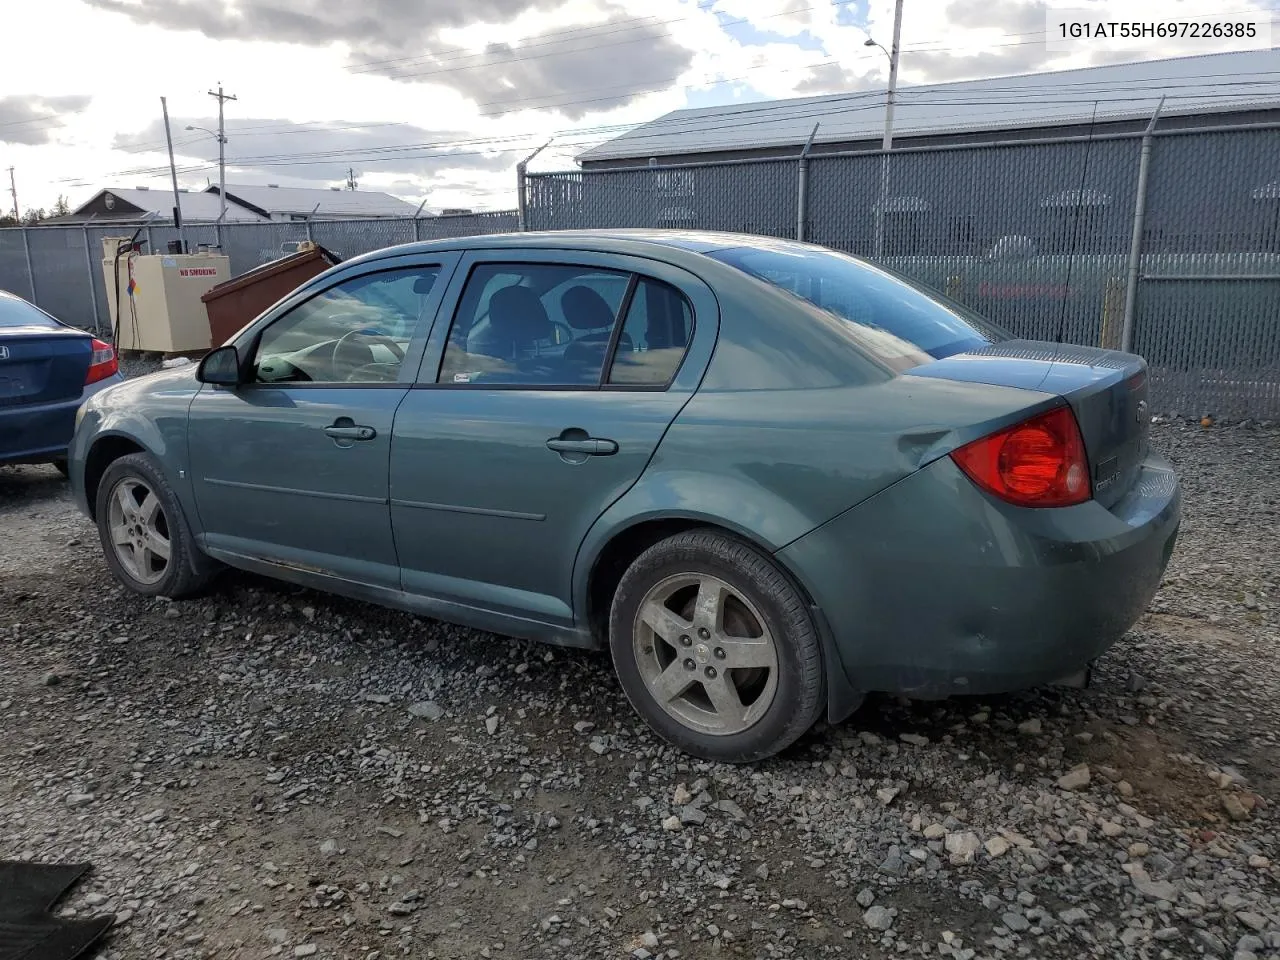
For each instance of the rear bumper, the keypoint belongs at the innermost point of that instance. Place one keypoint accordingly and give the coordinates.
(933, 588)
(41, 433)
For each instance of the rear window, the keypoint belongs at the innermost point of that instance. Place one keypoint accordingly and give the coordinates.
(868, 297)
(19, 313)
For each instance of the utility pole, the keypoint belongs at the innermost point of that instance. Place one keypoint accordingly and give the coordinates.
(13, 191)
(351, 178)
(173, 174)
(222, 98)
(887, 143)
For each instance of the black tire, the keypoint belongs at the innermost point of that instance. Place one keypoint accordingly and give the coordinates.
(188, 571)
(800, 695)
(62, 467)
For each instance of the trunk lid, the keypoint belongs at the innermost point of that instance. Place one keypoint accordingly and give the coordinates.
(42, 364)
(1107, 391)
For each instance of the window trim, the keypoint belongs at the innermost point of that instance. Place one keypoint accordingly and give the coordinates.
(255, 340)
(619, 324)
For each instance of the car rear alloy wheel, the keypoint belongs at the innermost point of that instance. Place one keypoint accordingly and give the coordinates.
(139, 531)
(716, 648)
(145, 537)
(705, 654)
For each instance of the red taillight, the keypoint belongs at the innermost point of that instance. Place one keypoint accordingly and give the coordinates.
(1040, 462)
(102, 364)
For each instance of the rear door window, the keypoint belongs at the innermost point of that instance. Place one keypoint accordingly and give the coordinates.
(533, 324)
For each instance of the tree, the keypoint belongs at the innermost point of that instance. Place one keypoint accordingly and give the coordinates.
(61, 208)
(33, 215)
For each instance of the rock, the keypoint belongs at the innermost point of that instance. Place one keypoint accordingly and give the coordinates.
(1250, 943)
(329, 848)
(401, 909)
(1111, 829)
(693, 816)
(731, 808)
(80, 799)
(681, 796)
(1259, 862)
(886, 794)
(305, 950)
(50, 679)
(277, 934)
(309, 613)
(762, 871)
(1075, 779)
(997, 847)
(155, 816)
(1030, 727)
(1135, 682)
(1073, 916)
(650, 939)
(1125, 788)
(1016, 922)
(1254, 921)
(1236, 810)
(1211, 943)
(583, 726)
(672, 825)
(878, 918)
(1154, 889)
(382, 698)
(1138, 849)
(962, 847)
(426, 710)
(866, 897)
(598, 747)
(935, 831)
(916, 740)
(491, 724)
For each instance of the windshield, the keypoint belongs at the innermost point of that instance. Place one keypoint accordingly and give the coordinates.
(873, 299)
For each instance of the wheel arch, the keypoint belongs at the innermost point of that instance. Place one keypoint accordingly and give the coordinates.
(624, 544)
(104, 451)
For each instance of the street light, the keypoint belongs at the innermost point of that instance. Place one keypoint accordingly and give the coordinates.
(887, 142)
(222, 170)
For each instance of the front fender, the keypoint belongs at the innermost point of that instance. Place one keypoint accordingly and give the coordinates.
(149, 413)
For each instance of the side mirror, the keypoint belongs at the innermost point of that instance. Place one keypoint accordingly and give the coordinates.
(221, 367)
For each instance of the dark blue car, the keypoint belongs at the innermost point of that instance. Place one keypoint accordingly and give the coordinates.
(47, 369)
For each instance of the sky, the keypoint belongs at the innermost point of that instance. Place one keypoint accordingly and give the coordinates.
(437, 100)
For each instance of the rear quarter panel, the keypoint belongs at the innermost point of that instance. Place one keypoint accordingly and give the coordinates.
(793, 425)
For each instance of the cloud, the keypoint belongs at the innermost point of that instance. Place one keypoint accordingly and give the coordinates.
(572, 74)
(1013, 18)
(834, 78)
(607, 56)
(32, 119)
(274, 150)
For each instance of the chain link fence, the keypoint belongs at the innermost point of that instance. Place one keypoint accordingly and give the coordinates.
(60, 269)
(1036, 236)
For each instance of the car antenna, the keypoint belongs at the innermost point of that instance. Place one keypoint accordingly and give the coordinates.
(1075, 226)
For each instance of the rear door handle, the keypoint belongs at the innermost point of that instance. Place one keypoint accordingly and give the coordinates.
(350, 432)
(592, 446)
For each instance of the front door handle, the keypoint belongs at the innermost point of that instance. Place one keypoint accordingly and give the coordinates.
(590, 446)
(350, 431)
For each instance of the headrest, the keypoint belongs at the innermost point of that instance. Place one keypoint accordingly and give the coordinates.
(585, 309)
(516, 314)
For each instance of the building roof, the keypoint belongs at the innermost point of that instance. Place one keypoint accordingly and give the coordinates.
(125, 203)
(1209, 83)
(303, 200)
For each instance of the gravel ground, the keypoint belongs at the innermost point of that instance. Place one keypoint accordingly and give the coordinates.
(274, 772)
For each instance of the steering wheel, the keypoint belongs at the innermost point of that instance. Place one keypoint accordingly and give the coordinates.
(345, 365)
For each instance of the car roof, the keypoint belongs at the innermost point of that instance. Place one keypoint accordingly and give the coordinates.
(639, 241)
